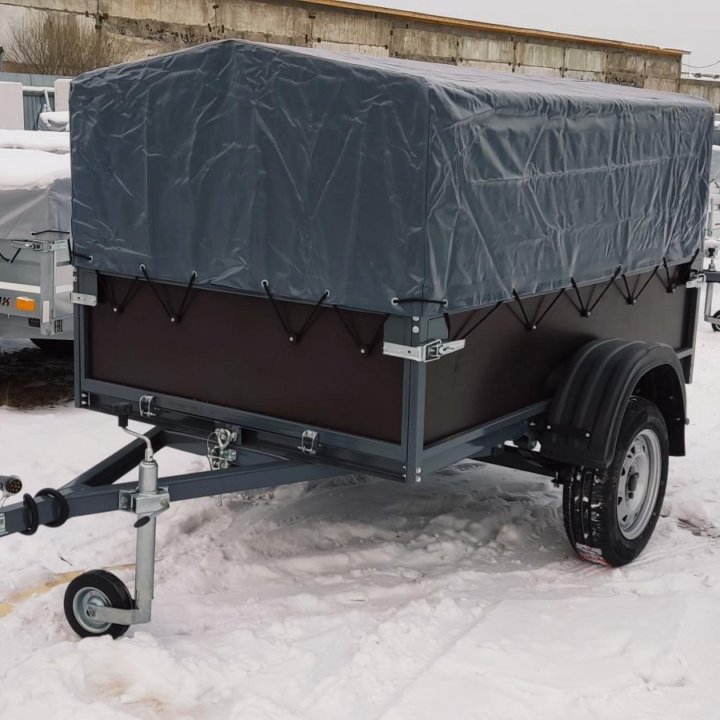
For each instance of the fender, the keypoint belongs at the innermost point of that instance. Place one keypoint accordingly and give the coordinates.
(584, 417)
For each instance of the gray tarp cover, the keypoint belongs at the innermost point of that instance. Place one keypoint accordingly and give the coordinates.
(379, 178)
(715, 165)
(39, 200)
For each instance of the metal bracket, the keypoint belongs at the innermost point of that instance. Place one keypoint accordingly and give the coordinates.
(39, 245)
(147, 406)
(428, 352)
(220, 455)
(308, 443)
(83, 299)
(145, 504)
(696, 281)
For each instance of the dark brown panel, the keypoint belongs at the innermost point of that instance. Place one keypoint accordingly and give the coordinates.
(231, 350)
(504, 367)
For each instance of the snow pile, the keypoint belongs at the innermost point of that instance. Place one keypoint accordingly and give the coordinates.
(55, 142)
(55, 121)
(28, 169)
(360, 599)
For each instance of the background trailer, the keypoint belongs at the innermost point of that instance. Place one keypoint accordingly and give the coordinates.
(300, 264)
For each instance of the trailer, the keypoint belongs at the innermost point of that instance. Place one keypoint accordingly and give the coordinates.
(712, 242)
(300, 264)
(36, 277)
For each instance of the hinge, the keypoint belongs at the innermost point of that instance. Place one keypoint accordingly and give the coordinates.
(423, 353)
(83, 299)
(2, 524)
(308, 442)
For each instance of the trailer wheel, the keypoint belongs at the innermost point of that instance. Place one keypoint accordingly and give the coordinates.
(96, 588)
(716, 326)
(610, 515)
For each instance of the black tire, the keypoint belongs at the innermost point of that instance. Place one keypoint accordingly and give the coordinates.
(591, 498)
(100, 588)
(63, 348)
(716, 326)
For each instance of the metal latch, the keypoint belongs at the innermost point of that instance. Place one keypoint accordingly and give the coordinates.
(423, 353)
(696, 282)
(220, 454)
(83, 299)
(145, 504)
(147, 406)
(308, 443)
(39, 245)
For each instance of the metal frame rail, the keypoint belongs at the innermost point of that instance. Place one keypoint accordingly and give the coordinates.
(95, 491)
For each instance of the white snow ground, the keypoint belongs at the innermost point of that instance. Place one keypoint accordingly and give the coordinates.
(358, 599)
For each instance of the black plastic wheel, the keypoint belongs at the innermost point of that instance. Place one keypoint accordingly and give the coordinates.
(60, 348)
(716, 326)
(610, 515)
(96, 588)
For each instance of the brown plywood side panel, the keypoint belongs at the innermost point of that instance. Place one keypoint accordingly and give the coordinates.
(504, 367)
(231, 350)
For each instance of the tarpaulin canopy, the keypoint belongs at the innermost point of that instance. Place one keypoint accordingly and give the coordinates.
(379, 179)
(34, 193)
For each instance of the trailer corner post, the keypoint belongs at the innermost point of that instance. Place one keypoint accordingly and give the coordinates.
(418, 330)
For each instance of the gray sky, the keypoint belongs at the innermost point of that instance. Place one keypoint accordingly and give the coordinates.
(692, 25)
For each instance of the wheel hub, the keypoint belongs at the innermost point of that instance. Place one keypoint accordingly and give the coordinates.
(639, 484)
(85, 603)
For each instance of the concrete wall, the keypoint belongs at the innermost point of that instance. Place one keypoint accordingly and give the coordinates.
(706, 89)
(149, 27)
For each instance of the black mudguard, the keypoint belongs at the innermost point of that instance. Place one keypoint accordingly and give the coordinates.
(584, 418)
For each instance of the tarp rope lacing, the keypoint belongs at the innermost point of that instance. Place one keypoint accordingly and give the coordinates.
(109, 290)
(586, 310)
(402, 301)
(11, 260)
(49, 230)
(534, 324)
(175, 317)
(295, 337)
(364, 348)
(33, 515)
(631, 296)
(73, 254)
(669, 282)
(462, 334)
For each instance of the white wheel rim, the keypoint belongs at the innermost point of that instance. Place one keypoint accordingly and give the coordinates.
(639, 484)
